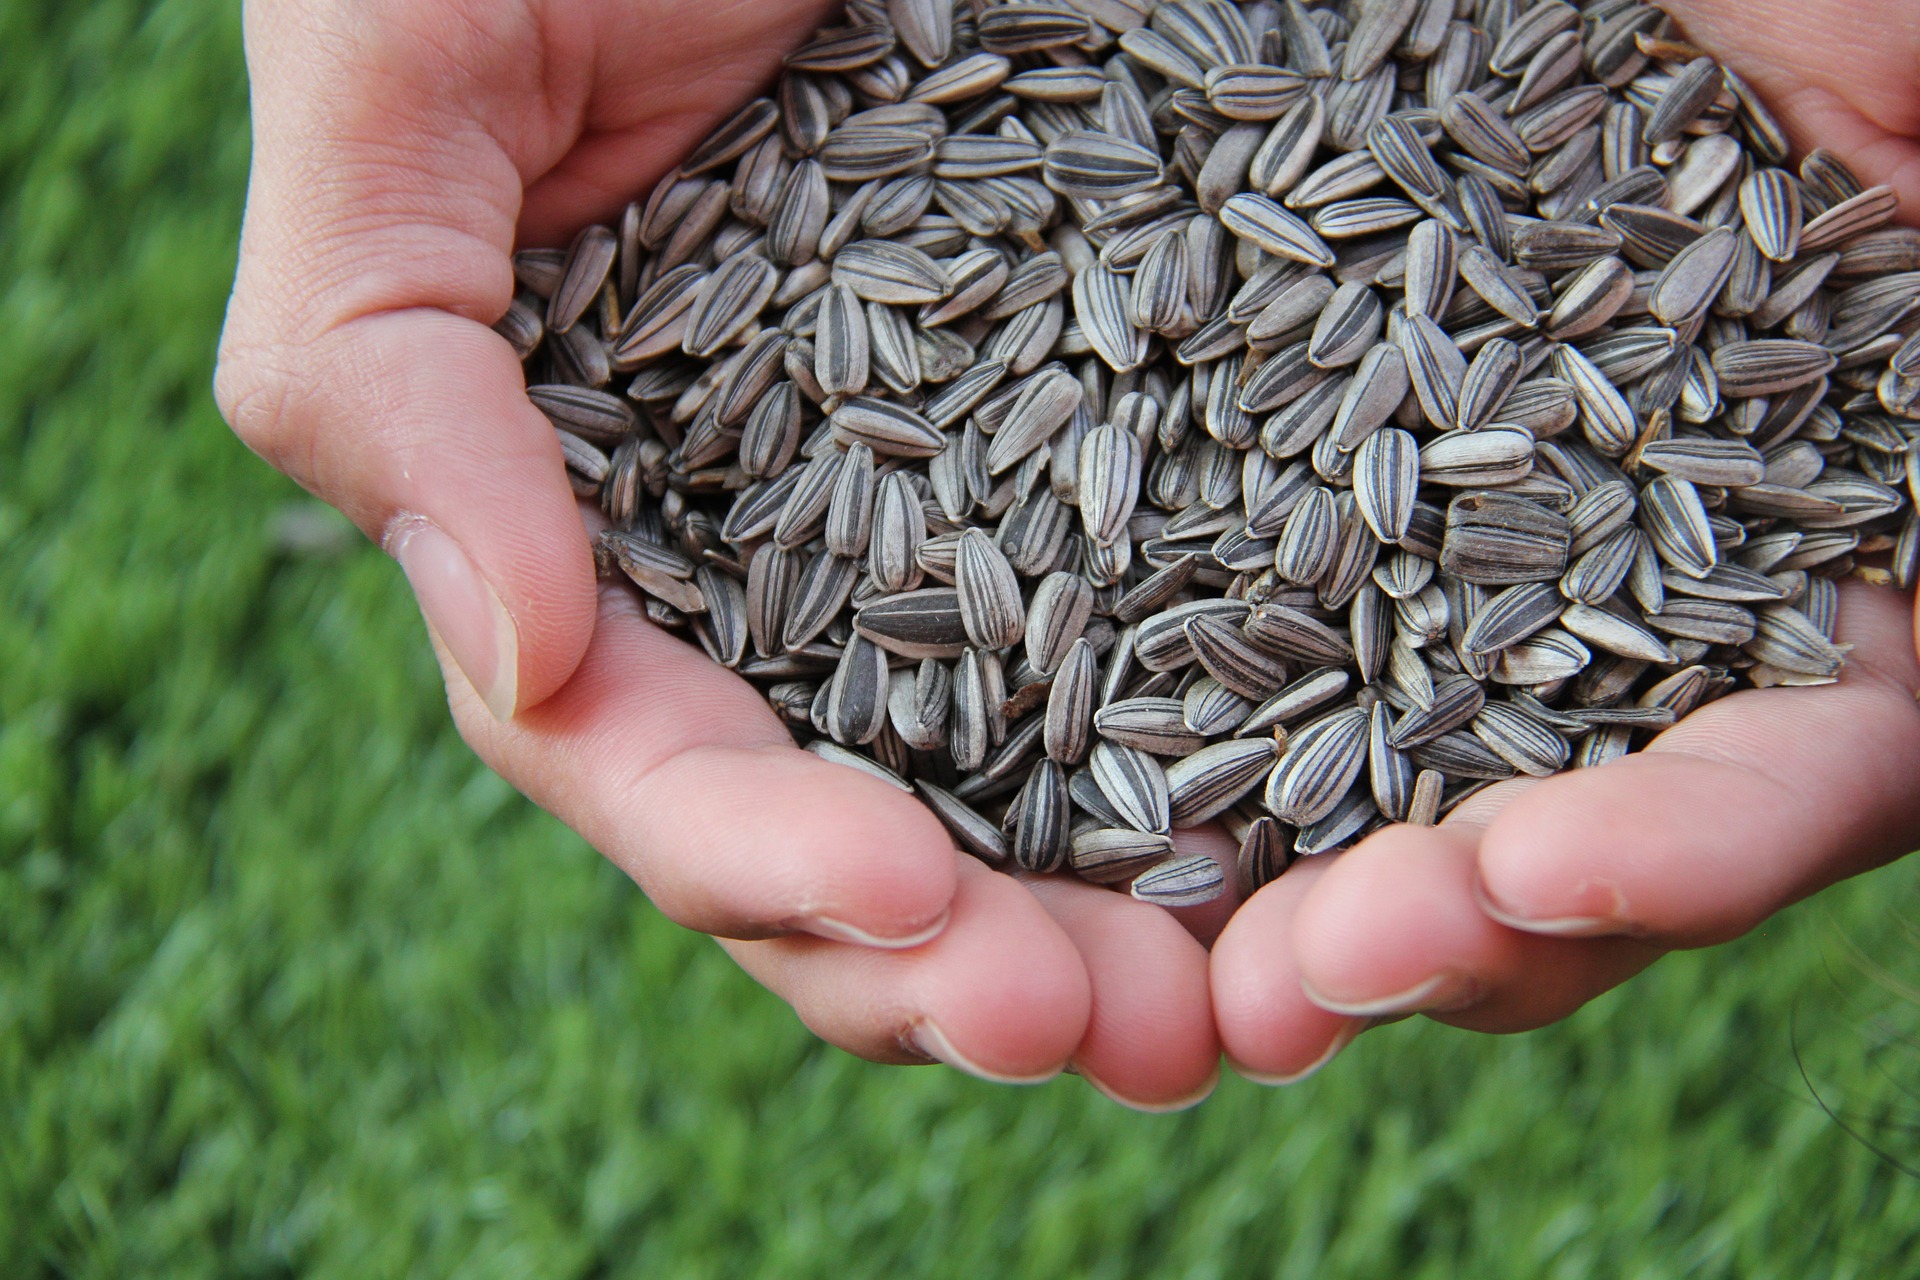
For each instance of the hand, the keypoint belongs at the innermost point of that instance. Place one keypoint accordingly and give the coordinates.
(1537, 896)
(401, 151)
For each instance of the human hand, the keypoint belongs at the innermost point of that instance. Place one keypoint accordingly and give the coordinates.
(1535, 897)
(401, 152)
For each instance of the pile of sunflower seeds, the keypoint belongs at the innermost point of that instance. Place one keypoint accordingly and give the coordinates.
(1105, 416)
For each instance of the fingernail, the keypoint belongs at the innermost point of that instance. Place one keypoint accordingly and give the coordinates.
(1347, 1035)
(1442, 993)
(933, 1042)
(1190, 1100)
(840, 931)
(1604, 894)
(463, 611)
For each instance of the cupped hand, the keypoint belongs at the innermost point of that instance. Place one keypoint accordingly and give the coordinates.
(1535, 897)
(402, 151)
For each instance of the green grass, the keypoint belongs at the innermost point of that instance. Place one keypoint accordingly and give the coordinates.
(290, 985)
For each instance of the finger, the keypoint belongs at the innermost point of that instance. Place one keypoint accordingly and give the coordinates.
(356, 356)
(417, 426)
(1271, 1031)
(1393, 928)
(1150, 1042)
(1747, 805)
(1001, 993)
(679, 773)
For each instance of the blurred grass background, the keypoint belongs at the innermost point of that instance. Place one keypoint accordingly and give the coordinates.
(290, 985)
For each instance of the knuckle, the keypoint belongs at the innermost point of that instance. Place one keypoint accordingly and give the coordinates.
(257, 386)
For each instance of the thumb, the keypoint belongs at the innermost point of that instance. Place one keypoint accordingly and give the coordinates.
(357, 355)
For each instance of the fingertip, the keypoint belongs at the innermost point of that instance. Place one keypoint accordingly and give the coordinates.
(840, 931)
(1366, 938)
(1348, 1032)
(929, 1039)
(1150, 1043)
(904, 857)
(1006, 998)
(416, 424)
(554, 618)
(1000, 994)
(1169, 1106)
(1270, 1032)
(1621, 849)
(777, 838)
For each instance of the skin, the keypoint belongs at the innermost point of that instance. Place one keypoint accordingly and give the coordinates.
(403, 150)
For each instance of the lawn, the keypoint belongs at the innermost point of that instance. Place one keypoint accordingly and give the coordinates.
(291, 985)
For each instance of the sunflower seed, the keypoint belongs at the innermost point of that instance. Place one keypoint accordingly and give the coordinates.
(1512, 616)
(1710, 621)
(1850, 218)
(857, 694)
(1134, 784)
(1043, 815)
(1182, 882)
(1730, 464)
(1115, 855)
(914, 624)
(820, 593)
(1615, 634)
(1056, 619)
(1386, 480)
(1522, 741)
(1676, 522)
(1690, 282)
(727, 302)
(1319, 766)
(1085, 165)
(1154, 725)
(1264, 855)
(1348, 326)
(1498, 286)
(990, 607)
(1203, 785)
(1211, 709)
(1229, 657)
(1788, 639)
(1768, 366)
(1267, 226)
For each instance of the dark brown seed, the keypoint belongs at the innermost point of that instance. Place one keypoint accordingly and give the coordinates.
(732, 139)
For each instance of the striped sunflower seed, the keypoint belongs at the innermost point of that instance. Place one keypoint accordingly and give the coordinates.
(1134, 784)
(1205, 784)
(1182, 882)
(1116, 855)
(1319, 766)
